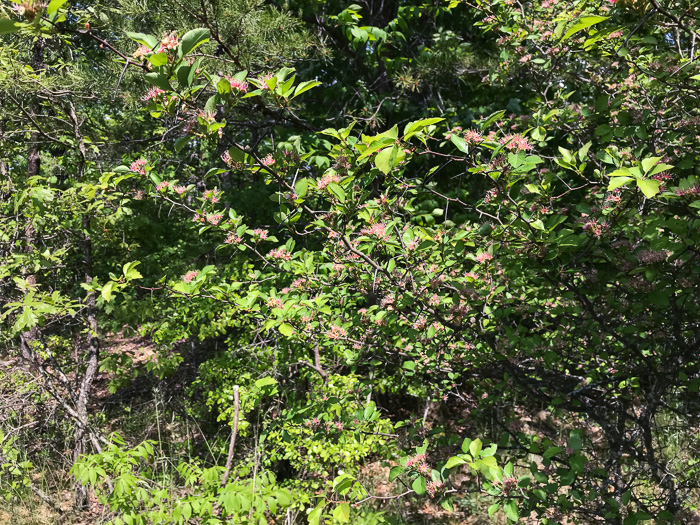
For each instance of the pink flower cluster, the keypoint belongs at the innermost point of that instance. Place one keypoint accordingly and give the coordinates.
(189, 276)
(137, 166)
(281, 254)
(377, 230)
(516, 142)
(152, 93)
(327, 179)
(168, 42)
(336, 332)
(267, 160)
(212, 195)
(260, 233)
(275, 302)
(162, 186)
(483, 257)
(508, 484)
(180, 189)
(232, 239)
(215, 218)
(431, 487)
(236, 84)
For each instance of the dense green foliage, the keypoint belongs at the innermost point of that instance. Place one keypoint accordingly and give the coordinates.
(250, 251)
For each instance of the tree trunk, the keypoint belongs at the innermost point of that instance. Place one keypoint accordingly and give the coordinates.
(92, 356)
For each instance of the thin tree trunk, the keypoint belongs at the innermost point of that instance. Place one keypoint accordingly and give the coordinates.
(33, 169)
(92, 356)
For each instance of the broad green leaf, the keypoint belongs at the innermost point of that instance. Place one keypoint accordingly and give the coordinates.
(583, 23)
(192, 39)
(385, 160)
(301, 187)
(147, 40)
(158, 80)
(305, 86)
(419, 485)
(342, 513)
(475, 448)
(107, 291)
(265, 381)
(337, 190)
(7, 26)
(54, 6)
(493, 509)
(459, 142)
(315, 515)
(649, 163)
(511, 509)
(158, 59)
(419, 125)
(395, 472)
(616, 182)
(454, 461)
(649, 187)
(286, 330)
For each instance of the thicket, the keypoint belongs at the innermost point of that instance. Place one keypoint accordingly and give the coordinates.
(305, 262)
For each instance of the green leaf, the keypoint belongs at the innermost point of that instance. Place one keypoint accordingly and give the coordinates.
(130, 271)
(419, 125)
(385, 160)
(158, 59)
(286, 330)
(475, 448)
(493, 508)
(107, 291)
(192, 39)
(454, 461)
(54, 6)
(315, 515)
(7, 26)
(265, 381)
(649, 187)
(583, 23)
(301, 187)
(616, 182)
(147, 40)
(337, 190)
(158, 80)
(305, 86)
(459, 142)
(342, 513)
(395, 472)
(419, 485)
(511, 509)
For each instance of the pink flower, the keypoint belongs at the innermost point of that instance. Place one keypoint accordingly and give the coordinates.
(137, 166)
(180, 189)
(168, 42)
(280, 254)
(327, 179)
(215, 219)
(377, 230)
(232, 239)
(141, 51)
(275, 302)
(189, 276)
(336, 332)
(268, 160)
(259, 232)
(161, 186)
(226, 157)
(483, 257)
(516, 142)
(236, 84)
(473, 137)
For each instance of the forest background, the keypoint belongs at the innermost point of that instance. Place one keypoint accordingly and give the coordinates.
(320, 262)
